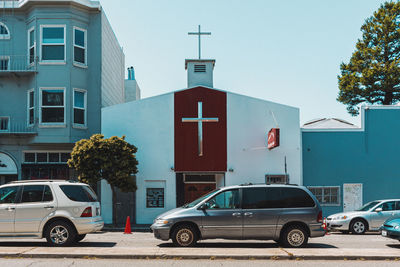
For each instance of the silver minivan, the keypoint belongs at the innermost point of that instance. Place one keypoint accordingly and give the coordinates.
(288, 214)
(61, 211)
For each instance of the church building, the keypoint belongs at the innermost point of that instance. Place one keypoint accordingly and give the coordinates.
(194, 140)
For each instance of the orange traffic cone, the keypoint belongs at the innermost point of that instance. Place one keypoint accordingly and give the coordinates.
(128, 229)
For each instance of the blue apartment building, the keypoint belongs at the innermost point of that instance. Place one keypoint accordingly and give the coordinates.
(347, 166)
(60, 63)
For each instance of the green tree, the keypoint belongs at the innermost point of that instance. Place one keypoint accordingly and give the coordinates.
(112, 159)
(373, 73)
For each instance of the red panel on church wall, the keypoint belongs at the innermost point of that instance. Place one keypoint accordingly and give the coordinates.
(186, 105)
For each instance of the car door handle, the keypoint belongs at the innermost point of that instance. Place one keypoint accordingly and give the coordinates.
(10, 208)
(236, 214)
(248, 214)
(49, 207)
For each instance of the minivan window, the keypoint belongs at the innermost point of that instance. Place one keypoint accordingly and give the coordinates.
(225, 200)
(79, 193)
(200, 199)
(262, 198)
(36, 193)
(296, 198)
(8, 194)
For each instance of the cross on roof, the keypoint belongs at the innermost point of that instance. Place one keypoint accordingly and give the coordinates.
(199, 33)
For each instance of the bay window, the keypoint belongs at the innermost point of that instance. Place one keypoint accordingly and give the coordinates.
(79, 107)
(79, 46)
(52, 106)
(53, 43)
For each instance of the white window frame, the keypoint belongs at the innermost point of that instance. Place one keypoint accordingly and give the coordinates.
(30, 108)
(76, 63)
(51, 124)
(77, 125)
(8, 124)
(33, 46)
(8, 62)
(61, 61)
(322, 194)
(5, 36)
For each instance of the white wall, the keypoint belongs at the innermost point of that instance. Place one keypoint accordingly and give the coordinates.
(112, 66)
(248, 122)
(149, 125)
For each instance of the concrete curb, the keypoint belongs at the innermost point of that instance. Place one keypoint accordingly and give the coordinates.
(203, 257)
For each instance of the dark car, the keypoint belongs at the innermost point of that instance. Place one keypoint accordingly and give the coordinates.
(288, 214)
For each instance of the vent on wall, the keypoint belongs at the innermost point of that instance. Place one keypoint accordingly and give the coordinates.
(200, 68)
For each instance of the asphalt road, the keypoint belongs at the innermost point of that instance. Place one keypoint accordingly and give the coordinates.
(192, 263)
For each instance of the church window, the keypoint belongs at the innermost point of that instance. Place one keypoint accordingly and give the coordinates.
(326, 195)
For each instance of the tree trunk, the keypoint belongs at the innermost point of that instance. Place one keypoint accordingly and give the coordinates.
(114, 205)
(388, 100)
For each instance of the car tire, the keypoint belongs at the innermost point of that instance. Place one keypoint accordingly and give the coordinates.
(358, 227)
(184, 236)
(60, 234)
(294, 236)
(79, 237)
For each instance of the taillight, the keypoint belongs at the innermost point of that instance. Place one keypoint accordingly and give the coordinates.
(87, 212)
(319, 217)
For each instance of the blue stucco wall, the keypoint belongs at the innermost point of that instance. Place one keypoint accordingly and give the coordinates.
(369, 156)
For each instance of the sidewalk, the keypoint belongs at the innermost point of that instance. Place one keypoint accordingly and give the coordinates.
(115, 245)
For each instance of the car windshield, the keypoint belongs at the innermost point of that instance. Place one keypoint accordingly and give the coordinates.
(197, 201)
(368, 206)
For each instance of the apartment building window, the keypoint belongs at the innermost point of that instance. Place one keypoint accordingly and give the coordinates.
(4, 32)
(31, 45)
(31, 107)
(52, 105)
(326, 195)
(80, 46)
(46, 165)
(4, 63)
(53, 43)
(4, 124)
(80, 107)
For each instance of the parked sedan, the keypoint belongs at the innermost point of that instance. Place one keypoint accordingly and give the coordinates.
(368, 218)
(391, 229)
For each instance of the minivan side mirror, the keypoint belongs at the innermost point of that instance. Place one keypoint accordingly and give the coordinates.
(378, 210)
(204, 206)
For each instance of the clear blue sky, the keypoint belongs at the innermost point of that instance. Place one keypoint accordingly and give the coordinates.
(283, 51)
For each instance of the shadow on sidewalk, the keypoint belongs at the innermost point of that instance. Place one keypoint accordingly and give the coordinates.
(243, 245)
(394, 246)
(81, 244)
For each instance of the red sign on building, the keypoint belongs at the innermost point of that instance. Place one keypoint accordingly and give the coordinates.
(273, 138)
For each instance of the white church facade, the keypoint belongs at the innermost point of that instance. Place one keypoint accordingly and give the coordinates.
(194, 140)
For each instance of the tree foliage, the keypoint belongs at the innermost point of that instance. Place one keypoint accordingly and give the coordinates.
(112, 159)
(373, 74)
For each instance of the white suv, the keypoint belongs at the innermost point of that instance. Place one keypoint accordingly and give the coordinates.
(61, 211)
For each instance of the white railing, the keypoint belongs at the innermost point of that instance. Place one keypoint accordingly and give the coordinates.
(16, 127)
(17, 63)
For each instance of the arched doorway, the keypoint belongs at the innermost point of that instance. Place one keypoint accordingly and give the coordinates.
(8, 169)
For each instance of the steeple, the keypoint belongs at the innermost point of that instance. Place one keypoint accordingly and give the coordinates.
(200, 71)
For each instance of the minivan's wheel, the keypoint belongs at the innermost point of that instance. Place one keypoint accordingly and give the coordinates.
(358, 227)
(294, 236)
(60, 234)
(184, 236)
(79, 237)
